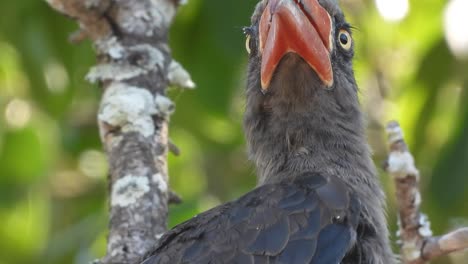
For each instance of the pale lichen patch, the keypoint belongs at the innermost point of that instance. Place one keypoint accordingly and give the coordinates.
(424, 226)
(127, 190)
(150, 58)
(144, 18)
(178, 76)
(137, 22)
(401, 164)
(130, 108)
(417, 197)
(164, 106)
(411, 250)
(111, 46)
(160, 182)
(163, 13)
(114, 71)
(58, 5)
(394, 132)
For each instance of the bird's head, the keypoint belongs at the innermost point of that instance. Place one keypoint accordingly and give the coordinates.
(302, 100)
(305, 43)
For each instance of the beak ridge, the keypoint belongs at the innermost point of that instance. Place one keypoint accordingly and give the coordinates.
(302, 27)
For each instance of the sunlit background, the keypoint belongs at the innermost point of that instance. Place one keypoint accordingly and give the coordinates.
(411, 64)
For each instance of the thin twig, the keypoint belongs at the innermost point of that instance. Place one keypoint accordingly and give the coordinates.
(418, 246)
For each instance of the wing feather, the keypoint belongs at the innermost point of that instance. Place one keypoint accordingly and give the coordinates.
(288, 222)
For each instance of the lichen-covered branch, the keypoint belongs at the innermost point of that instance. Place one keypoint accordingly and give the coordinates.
(418, 246)
(134, 69)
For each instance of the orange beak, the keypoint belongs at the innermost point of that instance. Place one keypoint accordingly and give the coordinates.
(299, 26)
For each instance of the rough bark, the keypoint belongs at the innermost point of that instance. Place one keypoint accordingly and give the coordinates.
(418, 246)
(134, 69)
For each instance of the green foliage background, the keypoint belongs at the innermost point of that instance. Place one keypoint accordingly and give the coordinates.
(53, 171)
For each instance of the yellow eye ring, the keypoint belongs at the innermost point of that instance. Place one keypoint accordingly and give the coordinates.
(247, 44)
(345, 40)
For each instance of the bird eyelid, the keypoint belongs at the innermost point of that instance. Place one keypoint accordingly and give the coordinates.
(247, 44)
(248, 31)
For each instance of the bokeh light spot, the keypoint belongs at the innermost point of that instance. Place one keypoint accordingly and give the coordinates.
(93, 164)
(18, 113)
(56, 77)
(393, 10)
(455, 27)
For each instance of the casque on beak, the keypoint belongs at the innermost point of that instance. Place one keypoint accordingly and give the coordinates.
(299, 26)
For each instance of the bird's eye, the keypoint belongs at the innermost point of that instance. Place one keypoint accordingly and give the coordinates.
(345, 39)
(247, 43)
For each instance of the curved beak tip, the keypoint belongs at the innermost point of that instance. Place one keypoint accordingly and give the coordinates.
(302, 27)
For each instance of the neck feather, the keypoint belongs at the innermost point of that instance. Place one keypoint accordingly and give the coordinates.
(296, 129)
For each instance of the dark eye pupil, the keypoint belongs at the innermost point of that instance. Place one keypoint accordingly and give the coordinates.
(343, 39)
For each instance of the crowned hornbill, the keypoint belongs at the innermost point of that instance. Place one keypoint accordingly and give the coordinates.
(318, 199)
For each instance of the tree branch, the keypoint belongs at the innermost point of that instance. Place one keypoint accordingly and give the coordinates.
(134, 69)
(418, 246)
